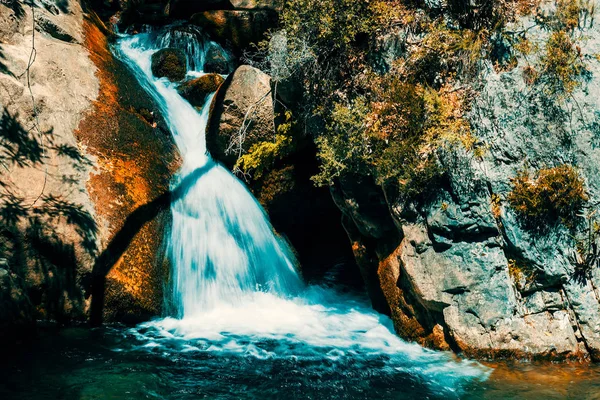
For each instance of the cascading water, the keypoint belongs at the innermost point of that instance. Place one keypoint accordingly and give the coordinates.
(221, 245)
(235, 286)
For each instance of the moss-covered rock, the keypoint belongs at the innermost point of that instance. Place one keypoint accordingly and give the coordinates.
(196, 90)
(169, 63)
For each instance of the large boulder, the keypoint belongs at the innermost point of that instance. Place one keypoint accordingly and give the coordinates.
(236, 28)
(169, 63)
(197, 90)
(242, 114)
(47, 228)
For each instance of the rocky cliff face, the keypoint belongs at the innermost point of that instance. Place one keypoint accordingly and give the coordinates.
(462, 270)
(78, 155)
(136, 158)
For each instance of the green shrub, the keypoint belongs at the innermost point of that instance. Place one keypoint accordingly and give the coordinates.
(276, 183)
(562, 65)
(344, 148)
(572, 14)
(391, 127)
(394, 138)
(586, 255)
(262, 156)
(486, 14)
(553, 193)
(522, 273)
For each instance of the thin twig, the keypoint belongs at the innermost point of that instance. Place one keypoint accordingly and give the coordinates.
(32, 57)
(237, 145)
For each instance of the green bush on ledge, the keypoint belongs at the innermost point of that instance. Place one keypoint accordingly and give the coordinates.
(557, 192)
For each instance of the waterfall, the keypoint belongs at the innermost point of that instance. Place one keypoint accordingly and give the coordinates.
(235, 284)
(221, 245)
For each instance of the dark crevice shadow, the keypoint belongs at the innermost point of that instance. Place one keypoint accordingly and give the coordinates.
(63, 5)
(96, 282)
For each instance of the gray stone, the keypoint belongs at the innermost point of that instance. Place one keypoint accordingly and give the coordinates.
(242, 114)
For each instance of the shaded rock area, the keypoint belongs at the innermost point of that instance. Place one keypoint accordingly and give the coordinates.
(236, 28)
(185, 8)
(46, 25)
(79, 152)
(216, 61)
(233, 24)
(306, 215)
(170, 64)
(460, 269)
(196, 90)
(257, 4)
(48, 232)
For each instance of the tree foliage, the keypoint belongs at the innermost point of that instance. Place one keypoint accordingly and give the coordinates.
(391, 124)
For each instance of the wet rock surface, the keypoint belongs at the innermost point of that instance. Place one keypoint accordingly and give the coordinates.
(78, 154)
(217, 61)
(136, 160)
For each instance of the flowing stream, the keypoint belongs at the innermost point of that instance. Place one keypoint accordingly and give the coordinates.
(243, 323)
(236, 290)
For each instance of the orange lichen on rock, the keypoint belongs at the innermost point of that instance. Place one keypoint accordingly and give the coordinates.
(135, 162)
(128, 173)
(403, 314)
(97, 44)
